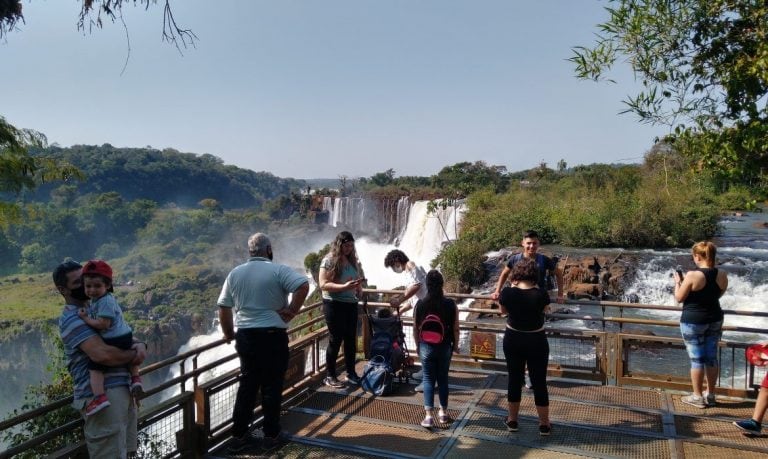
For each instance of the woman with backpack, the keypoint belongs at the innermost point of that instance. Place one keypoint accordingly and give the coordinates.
(436, 332)
(525, 342)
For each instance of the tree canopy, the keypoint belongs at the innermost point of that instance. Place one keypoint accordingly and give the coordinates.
(21, 171)
(93, 13)
(163, 176)
(703, 65)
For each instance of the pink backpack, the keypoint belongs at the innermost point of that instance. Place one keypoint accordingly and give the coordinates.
(431, 330)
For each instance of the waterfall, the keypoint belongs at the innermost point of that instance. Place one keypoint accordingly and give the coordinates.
(401, 218)
(422, 239)
(336, 212)
(747, 289)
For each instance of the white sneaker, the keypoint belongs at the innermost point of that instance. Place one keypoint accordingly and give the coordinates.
(694, 400)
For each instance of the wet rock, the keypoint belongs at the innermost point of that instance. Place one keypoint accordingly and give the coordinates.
(560, 311)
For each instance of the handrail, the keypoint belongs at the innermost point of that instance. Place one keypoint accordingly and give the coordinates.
(567, 301)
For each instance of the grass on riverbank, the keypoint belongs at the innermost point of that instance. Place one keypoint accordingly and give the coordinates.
(28, 298)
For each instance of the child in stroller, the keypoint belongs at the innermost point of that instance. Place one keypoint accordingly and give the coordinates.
(388, 342)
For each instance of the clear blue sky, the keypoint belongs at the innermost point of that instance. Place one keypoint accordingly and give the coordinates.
(311, 89)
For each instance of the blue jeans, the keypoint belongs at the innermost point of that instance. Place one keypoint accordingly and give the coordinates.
(263, 361)
(435, 363)
(701, 342)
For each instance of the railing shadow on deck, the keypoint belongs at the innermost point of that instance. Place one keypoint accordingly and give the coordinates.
(193, 411)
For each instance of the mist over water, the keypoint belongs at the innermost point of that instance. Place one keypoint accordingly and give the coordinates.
(421, 239)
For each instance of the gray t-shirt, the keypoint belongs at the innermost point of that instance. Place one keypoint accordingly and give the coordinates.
(349, 273)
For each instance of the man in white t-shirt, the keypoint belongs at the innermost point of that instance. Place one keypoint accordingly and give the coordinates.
(415, 286)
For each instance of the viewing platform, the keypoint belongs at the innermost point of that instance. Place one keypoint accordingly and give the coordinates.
(615, 380)
(588, 419)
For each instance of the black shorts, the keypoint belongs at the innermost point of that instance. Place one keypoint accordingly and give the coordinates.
(123, 342)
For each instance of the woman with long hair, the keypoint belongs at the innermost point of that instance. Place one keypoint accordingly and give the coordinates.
(435, 342)
(341, 282)
(525, 342)
(701, 323)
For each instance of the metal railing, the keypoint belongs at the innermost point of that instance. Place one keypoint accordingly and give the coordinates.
(189, 413)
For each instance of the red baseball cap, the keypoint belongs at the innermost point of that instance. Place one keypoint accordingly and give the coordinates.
(98, 267)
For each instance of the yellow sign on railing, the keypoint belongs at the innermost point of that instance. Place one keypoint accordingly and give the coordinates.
(482, 345)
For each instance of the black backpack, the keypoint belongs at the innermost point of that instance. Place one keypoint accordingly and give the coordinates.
(546, 280)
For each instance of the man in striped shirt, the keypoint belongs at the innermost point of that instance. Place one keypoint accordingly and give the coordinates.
(110, 433)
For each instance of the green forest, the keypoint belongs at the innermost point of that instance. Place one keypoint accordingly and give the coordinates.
(177, 219)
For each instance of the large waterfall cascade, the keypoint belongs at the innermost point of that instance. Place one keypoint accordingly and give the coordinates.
(745, 257)
(421, 236)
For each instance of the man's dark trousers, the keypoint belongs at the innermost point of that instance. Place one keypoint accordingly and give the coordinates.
(263, 361)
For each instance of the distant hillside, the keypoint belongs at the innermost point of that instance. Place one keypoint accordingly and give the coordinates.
(320, 183)
(166, 176)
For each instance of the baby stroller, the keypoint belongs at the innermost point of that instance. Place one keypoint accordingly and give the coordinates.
(389, 353)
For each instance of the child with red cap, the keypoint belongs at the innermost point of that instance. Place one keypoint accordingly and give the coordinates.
(105, 315)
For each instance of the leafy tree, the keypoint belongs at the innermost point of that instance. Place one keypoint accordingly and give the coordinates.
(383, 178)
(166, 176)
(21, 171)
(36, 257)
(703, 65)
(211, 205)
(463, 178)
(91, 12)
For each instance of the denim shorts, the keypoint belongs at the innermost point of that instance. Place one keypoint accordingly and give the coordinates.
(701, 342)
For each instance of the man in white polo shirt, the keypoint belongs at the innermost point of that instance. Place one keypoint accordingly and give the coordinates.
(258, 291)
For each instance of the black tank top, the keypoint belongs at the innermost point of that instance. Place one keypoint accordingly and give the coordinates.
(703, 306)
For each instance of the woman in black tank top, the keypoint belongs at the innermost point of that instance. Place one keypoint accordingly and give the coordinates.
(702, 320)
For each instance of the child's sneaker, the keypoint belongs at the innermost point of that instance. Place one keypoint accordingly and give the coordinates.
(136, 386)
(749, 426)
(98, 403)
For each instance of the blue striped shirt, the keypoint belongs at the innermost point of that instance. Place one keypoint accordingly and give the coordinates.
(74, 332)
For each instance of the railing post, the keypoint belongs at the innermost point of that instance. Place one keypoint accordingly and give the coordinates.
(201, 425)
(182, 372)
(187, 440)
(194, 371)
(366, 337)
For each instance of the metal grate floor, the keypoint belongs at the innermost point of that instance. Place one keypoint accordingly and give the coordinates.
(588, 421)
